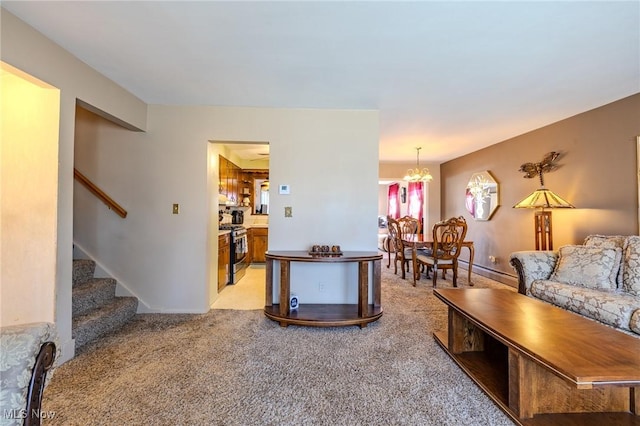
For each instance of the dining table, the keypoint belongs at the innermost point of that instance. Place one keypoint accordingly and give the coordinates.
(418, 241)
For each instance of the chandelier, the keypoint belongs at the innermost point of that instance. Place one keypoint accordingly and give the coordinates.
(417, 174)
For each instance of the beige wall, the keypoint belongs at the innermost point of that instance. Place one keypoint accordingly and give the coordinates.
(28, 199)
(169, 261)
(26, 49)
(597, 174)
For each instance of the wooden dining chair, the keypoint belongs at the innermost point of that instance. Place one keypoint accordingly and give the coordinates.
(448, 236)
(398, 232)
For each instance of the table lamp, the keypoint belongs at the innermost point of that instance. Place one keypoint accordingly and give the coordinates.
(542, 199)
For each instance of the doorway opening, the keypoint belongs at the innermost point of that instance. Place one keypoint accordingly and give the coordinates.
(238, 186)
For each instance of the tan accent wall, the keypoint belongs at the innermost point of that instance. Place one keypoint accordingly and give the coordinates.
(597, 174)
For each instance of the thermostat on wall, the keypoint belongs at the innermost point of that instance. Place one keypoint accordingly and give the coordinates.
(284, 189)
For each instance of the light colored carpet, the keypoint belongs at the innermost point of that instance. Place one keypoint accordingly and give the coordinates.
(235, 367)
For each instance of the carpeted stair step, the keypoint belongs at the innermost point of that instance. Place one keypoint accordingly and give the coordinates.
(92, 294)
(83, 270)
(98, 322)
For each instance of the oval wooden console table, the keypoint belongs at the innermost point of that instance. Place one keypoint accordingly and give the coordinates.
(324, 315)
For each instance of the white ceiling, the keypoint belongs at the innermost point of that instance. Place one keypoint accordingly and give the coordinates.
(451, 77)
(248, 151)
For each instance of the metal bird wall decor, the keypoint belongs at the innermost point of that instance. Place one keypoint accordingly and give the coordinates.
(547, 165)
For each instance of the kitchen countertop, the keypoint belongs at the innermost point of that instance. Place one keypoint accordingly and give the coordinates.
(257, 225)
(254, 225)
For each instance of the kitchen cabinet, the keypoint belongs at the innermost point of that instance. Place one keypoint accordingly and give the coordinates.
(230, 177)
(245, 188)
(260, 240)
(239, 184)
(223, 188)
(224, 259)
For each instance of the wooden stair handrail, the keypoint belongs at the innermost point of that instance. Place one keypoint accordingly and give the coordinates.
(99, 193)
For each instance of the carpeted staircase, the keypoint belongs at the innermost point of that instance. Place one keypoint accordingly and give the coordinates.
(96, 310)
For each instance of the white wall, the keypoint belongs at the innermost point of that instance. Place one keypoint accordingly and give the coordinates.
(31, 52)
(28, 198)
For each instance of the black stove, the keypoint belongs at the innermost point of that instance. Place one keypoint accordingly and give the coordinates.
(239, 250)
(230, 226)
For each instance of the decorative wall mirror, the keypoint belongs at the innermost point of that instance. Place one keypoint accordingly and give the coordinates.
(481, 198)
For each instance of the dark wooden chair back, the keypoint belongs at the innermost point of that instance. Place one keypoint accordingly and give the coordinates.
(448, 236)
(399, 230)
(409, 226)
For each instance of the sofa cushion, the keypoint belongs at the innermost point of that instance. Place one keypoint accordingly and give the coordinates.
(609, 307)
(588, 266)
(609, 241)
(634, 324)
(631, 262)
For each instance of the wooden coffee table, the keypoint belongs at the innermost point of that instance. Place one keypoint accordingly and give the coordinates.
(541, 364)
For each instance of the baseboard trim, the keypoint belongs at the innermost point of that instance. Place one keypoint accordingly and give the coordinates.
(148, 310)
(67, 351)
(122, 289)
(501, 277)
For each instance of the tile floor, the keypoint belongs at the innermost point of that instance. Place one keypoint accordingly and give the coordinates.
(247, 294)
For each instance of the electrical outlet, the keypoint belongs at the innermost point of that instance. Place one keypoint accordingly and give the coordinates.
(176, 209)
(287, 212)
(321, 287)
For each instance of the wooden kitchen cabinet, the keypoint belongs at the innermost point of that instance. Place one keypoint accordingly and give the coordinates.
(224, 260)
(230, 176)
(260, 239)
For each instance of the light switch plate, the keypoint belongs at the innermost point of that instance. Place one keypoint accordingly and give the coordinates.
(176, 209)
(288, 212)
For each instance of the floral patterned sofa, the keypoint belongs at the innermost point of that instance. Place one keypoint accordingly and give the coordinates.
(599, 279)
(27, 353)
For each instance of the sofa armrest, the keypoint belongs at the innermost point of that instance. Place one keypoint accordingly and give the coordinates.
(44, 363)
(531, 266)
(28, 354)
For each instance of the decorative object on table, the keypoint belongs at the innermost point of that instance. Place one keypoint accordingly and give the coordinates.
(542, 198)
(293, 302)
(482, 195)
(418, 174)
(325, 250)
